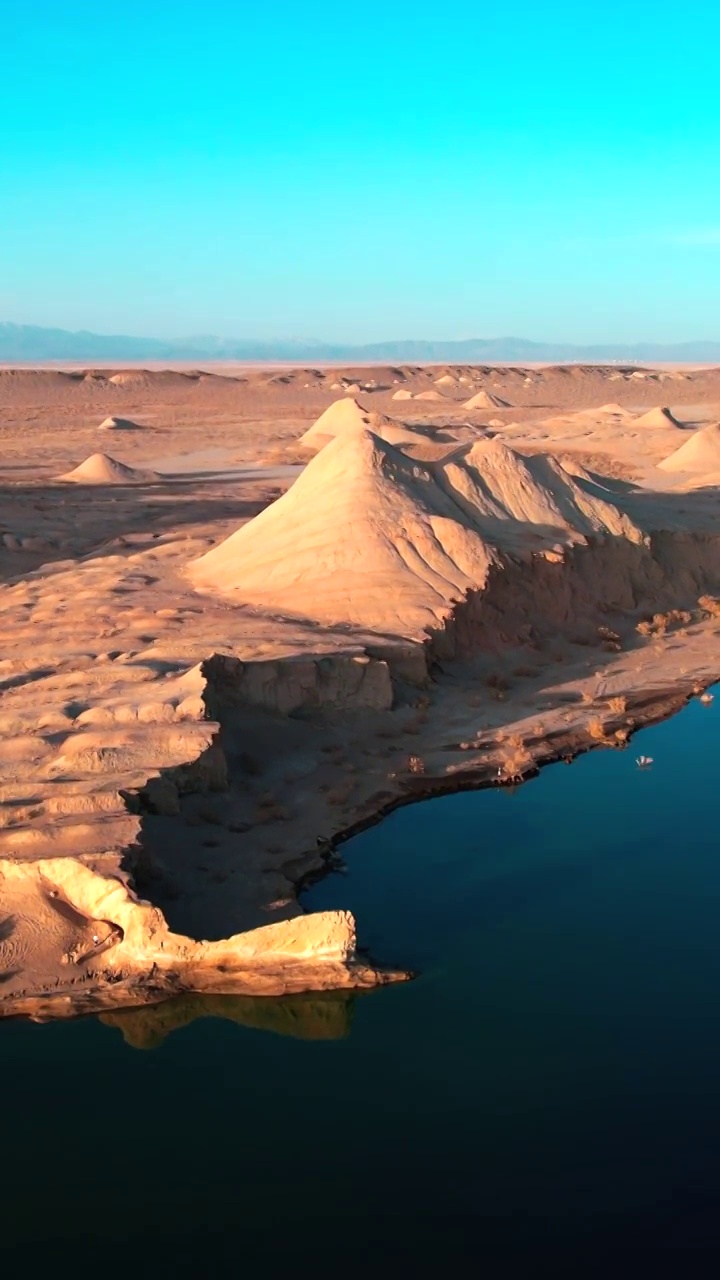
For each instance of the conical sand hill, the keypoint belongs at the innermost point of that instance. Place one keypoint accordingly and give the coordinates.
(661, 417)
(368, 536)
(485, 400)
(345, 416)
(701, 452)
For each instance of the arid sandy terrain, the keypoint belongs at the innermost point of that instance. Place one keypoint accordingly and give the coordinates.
(245, 613)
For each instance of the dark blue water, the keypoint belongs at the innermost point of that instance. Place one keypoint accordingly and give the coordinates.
(551, 1081)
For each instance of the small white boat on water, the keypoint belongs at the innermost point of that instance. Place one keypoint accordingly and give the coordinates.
(644, 762)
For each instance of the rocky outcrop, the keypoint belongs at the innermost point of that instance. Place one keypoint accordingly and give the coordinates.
(110, 939)
(326, 682)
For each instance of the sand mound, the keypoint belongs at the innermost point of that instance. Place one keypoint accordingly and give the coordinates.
(402, 394)
(606, 414)
(370, 537)
(657, 418)
(165, 379)
(429, 395)
(347, 416)
(485, 400)
(352, 388)
(100, 468)
(119, 424)
(612, 410)
(445, 381)
(700, 453)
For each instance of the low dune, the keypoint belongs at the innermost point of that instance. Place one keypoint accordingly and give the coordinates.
(611, 410)
(486, 400)
(119, 424)
(100, 468)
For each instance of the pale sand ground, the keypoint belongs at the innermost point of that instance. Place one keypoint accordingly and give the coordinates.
(109, 751)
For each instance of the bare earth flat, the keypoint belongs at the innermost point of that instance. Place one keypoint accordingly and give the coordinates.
(243, 612)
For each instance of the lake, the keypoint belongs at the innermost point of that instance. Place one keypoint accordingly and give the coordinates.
(550, 1081)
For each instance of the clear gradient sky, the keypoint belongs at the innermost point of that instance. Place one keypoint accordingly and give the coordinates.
(362, 172)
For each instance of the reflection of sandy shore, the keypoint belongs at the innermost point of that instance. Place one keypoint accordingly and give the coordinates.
(304, 1017)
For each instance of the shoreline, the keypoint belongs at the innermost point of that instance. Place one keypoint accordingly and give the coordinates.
(146, 990)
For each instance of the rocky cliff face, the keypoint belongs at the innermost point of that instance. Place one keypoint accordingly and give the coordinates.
(329, 682)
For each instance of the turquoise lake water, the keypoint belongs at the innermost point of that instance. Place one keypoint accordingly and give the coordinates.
(550, 1080)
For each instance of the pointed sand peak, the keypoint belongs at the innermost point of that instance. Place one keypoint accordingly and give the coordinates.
(659, 417)
(701, 452)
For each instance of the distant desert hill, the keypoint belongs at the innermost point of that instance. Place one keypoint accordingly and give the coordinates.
(701, 452)
(485, 400)
(119, 424)
(31, 342)
(100, 468)
(370, 537)
(346, 416)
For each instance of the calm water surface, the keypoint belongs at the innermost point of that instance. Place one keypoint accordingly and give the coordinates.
(551, 1080)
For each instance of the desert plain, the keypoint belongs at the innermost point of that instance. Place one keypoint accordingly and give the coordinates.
(245, 612)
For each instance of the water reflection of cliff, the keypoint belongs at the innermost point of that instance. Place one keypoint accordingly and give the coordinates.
(304, 1017)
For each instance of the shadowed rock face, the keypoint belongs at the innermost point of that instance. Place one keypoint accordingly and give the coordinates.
(335, 682)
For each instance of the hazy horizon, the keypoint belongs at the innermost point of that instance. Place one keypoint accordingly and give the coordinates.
(378, 339)
(270, 171)
(32, 345)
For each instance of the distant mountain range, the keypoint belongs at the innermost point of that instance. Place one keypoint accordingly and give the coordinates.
(29, 343)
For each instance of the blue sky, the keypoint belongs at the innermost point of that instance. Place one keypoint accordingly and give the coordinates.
(372, 171)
